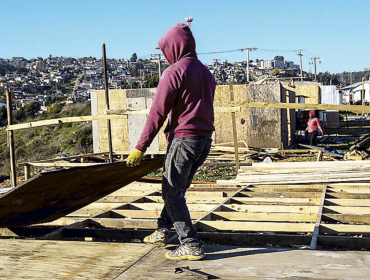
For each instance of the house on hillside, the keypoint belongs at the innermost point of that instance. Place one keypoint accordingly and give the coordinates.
(352, 94)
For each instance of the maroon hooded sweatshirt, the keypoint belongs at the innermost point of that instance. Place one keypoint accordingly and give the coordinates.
(185, 92)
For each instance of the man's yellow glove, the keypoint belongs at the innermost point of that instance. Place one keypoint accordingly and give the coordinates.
(134, 158)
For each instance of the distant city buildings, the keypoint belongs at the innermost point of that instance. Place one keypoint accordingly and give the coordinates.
(51, 79)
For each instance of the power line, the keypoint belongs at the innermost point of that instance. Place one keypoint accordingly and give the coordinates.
(238, 50)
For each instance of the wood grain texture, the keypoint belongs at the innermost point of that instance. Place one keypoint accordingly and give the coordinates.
(48, 196)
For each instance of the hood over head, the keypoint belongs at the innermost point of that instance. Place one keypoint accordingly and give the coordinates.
(178, 42)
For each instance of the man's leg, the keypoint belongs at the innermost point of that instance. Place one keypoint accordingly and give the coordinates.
(183, 159)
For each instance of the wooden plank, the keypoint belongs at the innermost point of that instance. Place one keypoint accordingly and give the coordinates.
(13, 176)
(352, 108)
(63, 164)
(348, 195)
(280, 201)
(159, 206)
(101, 118)
(347, 218)
(63, 192)
(348, 202)
(347, 210)
(235, 135)
(321, 151)
(281, 194)
(150, 214)
(281, 217)
(317, 165)
(340, 228)
(272, 208)
(316, 231)
(255, 226)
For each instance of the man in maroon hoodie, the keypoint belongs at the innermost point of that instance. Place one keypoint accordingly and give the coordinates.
(185, 94)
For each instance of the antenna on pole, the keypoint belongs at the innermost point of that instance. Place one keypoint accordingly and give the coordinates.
(189, 20)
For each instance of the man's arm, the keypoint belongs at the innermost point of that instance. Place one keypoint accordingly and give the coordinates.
(163, 102)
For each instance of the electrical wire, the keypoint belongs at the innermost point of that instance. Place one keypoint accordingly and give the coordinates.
(238, 50)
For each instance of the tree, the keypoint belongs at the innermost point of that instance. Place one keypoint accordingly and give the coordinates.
(3, 116)
(133, 57)
(275, 72)
(279, 57)
(22, 70)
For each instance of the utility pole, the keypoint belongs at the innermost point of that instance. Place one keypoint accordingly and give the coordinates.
(247, 50)
(216, 60)
(314, 63)
(351, 78)
(158, 58)
(300, 61)
(363, 91)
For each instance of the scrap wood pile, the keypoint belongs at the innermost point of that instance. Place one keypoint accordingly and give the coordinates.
(360, 147)
(304, 173)
(221, 152)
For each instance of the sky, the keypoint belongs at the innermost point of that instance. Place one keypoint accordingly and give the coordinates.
(335, 31)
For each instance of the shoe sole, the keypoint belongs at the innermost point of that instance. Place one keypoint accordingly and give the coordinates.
(157, 243)
(187, 257)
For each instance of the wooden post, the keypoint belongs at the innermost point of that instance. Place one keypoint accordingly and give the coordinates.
(287, 96)
(319, 156)
(27, 172)
(316, 230)
(11, 139)
(234, 129)
(107, 105)
(363, 92)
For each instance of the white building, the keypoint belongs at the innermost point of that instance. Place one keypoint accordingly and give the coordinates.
(266, 64)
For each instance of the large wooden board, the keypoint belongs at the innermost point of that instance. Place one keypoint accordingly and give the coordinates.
(49, 196)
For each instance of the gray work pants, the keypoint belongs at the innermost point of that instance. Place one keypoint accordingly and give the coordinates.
(184, 156)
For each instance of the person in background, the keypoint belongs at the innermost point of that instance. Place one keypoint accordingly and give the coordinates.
(185, 93)
(313, 125)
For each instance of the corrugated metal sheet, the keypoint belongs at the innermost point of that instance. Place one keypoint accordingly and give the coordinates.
(330, 95)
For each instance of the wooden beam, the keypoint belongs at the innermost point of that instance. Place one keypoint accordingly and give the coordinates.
(235, 134)
(347, 210)
(65, 164)
(348, 202)
(272, 208)
(109, 129)
(273, 217)
(316, 231)
(341, 228)
(13, 176)
(99, 118)
(27, 172)
(255, 226)
(347, 218)
(278, 200)
(352, 108)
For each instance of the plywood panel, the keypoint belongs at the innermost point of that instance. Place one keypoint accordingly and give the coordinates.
(223, 123)
(48, 196)
(264, 124)
(117, 100)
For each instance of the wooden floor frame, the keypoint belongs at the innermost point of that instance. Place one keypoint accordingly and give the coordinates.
(253, 215)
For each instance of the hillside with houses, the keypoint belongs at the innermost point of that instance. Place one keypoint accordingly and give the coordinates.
(71, 80)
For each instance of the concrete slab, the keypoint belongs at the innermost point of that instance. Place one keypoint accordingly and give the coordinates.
(231, 262)
(32, 259)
